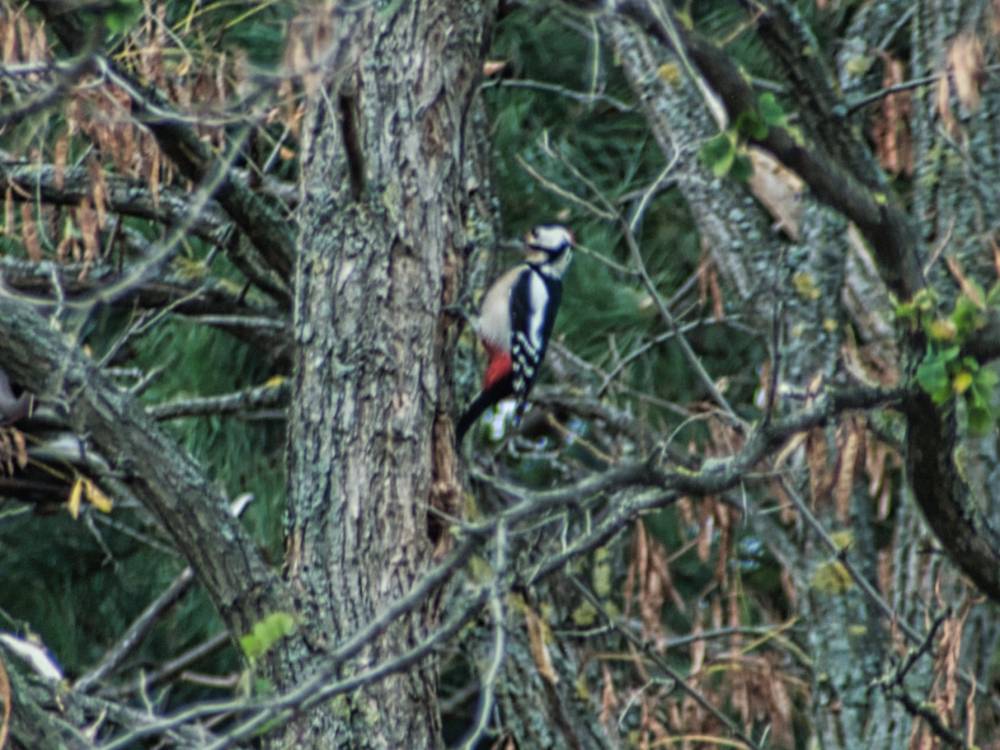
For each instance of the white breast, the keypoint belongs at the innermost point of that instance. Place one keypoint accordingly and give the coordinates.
(493, 323)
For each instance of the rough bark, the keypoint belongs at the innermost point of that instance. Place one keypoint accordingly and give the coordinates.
(383, 223)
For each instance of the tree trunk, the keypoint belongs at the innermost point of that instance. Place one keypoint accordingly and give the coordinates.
(383, 223)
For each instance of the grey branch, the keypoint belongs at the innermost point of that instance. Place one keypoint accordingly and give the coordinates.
(263, 396)
(136, 631)
(29, 181)
(172, 667)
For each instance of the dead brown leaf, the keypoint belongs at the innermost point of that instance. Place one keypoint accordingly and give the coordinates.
(59, 160)
(706, 530)
(539, 648)
(98, 191)
(718, 305)
(9, 38)
(609, 700)
(778, 188)
(946, 662)
(491, 67)
(891, 124)
(816, 462)
(944, 107)
(6, 453)
(29, 233)
(67, 246)
(86, 220)
(968, 288)
(967, 63)
(851, 463)
(965, 69)
(21, 447)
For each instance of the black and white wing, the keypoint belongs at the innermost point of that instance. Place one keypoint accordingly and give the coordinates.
(535, 302)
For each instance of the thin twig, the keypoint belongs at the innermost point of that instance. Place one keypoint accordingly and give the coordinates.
(610, 212)
(905, 86)
(651, 654)
(171, 668)
(563, 193)
(841, 554)
(579, 96)
(133, 636)
(230, 403)
(499, 616)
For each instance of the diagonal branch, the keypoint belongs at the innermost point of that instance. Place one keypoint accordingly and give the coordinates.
(217, 301)
(715, 476)
(32, 181)
(166, 480)
(136, 631)
(878, 216)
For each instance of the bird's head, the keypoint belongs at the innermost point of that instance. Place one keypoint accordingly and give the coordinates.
(550, 245)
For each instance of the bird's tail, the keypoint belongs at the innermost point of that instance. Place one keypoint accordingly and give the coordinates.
(486, 398)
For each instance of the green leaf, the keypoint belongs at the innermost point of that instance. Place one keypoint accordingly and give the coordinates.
(942, 329)
(925, 299)
(961, 382)
(980, 420)
(742, 169)
(771, 111)
(750, 124)
(121, 15)
(986, 378)
(266, 633)
(967, 316)
(980, 394)
(252, 646)
(932, 375)
(718, 154)
(950, 353)
(905, 311)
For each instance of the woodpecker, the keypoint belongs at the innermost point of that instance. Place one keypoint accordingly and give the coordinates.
(516, 319)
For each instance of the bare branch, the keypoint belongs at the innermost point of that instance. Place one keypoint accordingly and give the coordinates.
(262, 396)
(32, 181)
(173, 667)
(214, 300)
(136, 631)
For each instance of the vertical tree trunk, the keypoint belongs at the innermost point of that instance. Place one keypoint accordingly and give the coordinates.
(383, 221)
